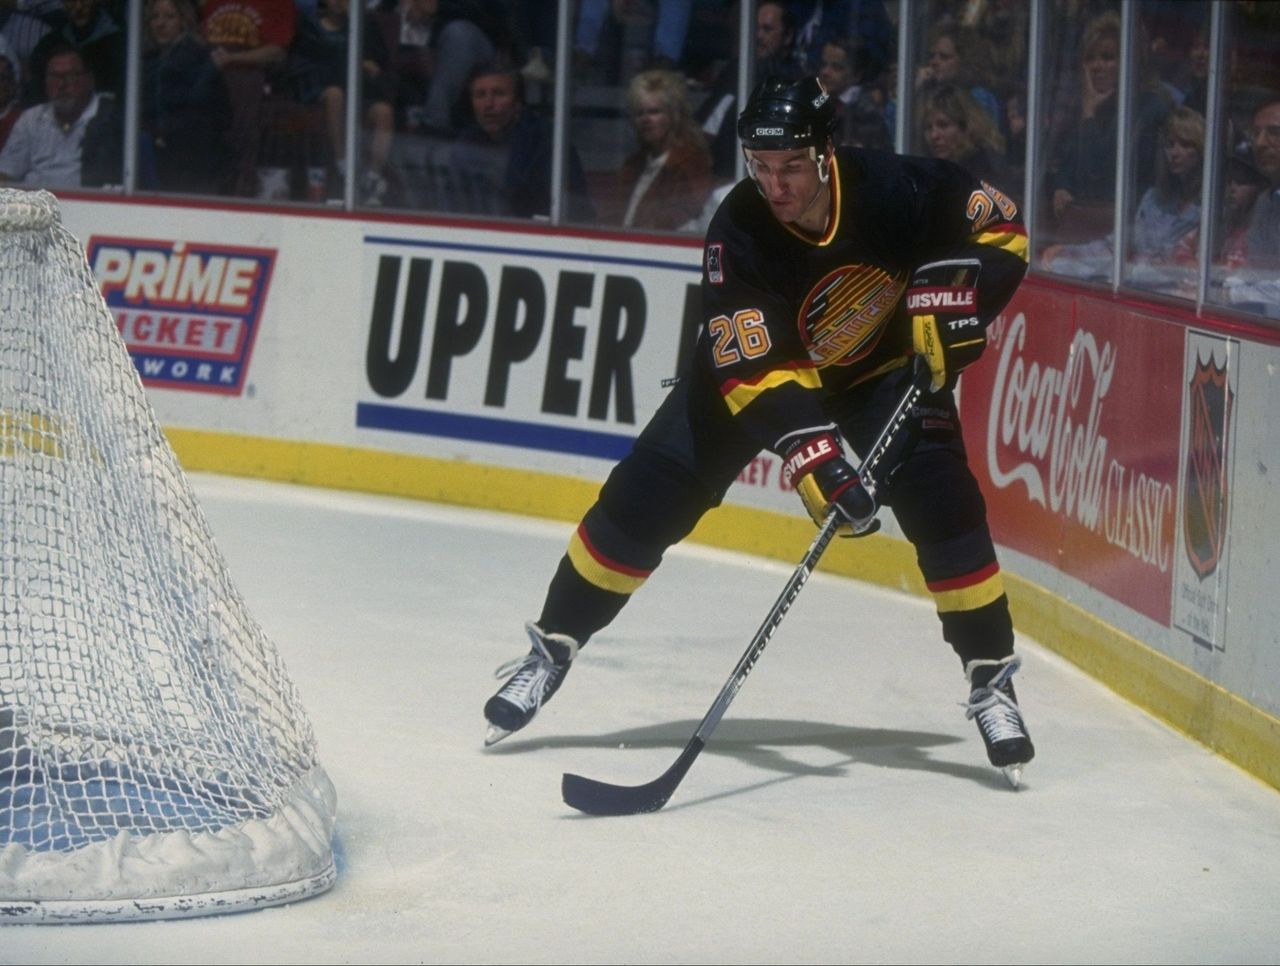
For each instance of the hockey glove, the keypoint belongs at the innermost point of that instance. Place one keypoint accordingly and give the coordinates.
(945, 328)
(814, 463)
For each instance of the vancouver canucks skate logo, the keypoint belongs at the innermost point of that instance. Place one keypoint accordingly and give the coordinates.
(1204, 502)
(844, 315)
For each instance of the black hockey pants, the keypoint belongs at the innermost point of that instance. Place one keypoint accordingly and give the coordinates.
(690, 453)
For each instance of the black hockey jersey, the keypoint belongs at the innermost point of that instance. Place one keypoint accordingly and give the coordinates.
(790, 318)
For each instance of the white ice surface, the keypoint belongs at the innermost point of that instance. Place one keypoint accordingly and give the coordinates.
(842, 812)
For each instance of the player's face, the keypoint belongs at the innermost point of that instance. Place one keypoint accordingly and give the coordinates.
(788, 180)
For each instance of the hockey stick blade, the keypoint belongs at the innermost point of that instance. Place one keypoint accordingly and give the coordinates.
(601, 798)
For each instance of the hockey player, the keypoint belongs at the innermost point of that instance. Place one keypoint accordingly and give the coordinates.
(824, 273)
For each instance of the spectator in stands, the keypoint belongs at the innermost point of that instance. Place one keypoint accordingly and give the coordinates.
(1255, 286)
(1264, 228)
(775, 55)
(435, 46)
(90, 29)
(249, 41)
(74, 139)
(1004, 26)
(10, 104)
(501, 163)
(463, 34)
(1243, 184)
(818, 22)
(318, 70)
(1081, 176)
(666, 181)
(846, 72)
(1167, 213)
(24, 23)
(775, 38)
(186, 109)
(960, 57)
(957, 129)
(406, 31)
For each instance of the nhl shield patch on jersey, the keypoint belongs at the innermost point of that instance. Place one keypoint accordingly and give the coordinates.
(715, 264)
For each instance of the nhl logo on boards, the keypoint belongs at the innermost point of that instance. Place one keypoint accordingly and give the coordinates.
(1204, 504)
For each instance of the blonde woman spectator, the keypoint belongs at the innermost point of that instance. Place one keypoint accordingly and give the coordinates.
(666, 181)
(847, 72)
(1168, 212)
(1082, 168)
(956, 129)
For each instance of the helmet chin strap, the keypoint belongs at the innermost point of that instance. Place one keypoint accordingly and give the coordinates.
(823, 161)
(822, 183)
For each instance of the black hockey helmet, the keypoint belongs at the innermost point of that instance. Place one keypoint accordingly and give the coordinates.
(785, 114)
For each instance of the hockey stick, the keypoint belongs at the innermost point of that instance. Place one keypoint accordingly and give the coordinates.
(601, 798)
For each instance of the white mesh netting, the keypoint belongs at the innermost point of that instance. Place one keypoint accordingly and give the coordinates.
(155, 758)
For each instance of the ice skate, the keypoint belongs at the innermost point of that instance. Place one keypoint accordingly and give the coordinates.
(533, 678)
(994, 705)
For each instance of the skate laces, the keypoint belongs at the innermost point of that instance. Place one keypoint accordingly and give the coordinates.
(531, 672)
(997, 713)
(530, 675)
(537, 655)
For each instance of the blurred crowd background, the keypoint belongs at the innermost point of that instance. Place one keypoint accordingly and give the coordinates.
(1141, 137)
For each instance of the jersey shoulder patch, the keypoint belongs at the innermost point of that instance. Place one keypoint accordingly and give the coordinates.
(713, 262)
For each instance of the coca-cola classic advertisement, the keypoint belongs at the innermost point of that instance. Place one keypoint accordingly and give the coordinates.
(1072, 423)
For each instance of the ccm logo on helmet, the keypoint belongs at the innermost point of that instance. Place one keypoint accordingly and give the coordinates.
(764, 132)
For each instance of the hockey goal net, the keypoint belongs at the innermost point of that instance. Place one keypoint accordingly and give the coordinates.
(155, 759)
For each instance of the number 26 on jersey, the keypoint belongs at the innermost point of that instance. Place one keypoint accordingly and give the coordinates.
(742, 337)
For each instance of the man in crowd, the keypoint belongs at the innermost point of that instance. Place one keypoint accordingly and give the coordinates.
(72, 140)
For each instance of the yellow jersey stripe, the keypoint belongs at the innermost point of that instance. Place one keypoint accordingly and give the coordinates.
(739, 395)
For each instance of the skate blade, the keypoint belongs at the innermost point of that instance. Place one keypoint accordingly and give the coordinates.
(494, 734)
(1013, 774)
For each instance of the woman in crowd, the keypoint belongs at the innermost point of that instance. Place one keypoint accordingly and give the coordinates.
(956, 129)
(1168, 212)
(667, 179)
